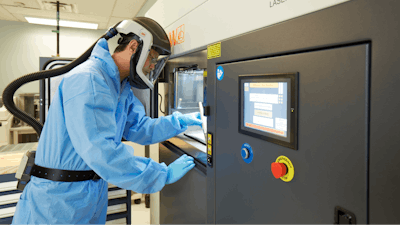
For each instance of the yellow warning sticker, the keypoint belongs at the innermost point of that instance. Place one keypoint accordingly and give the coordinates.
(214, 50)
(290, 173)
(205, 73)
(209, 144)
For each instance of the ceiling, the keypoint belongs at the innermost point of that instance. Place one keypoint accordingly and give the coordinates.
(103, 12)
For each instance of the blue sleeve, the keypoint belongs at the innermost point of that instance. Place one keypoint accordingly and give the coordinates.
(91, 126)
(144, 130)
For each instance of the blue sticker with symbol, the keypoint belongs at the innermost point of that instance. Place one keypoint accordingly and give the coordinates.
(220, 73)
(247, 153)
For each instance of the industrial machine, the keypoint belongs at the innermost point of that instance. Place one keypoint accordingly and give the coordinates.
(302, 124)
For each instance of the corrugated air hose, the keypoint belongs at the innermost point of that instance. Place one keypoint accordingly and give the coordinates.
(9, 91)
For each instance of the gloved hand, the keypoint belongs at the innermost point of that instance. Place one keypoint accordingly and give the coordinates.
(190, 119)
(178, 168)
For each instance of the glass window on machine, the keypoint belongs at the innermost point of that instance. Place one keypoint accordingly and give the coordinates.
(188, 90)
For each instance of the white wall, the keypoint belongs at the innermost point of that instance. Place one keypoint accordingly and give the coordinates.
(21, 45)
(209, 21)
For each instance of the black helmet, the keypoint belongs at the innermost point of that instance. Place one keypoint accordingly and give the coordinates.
(160, 38)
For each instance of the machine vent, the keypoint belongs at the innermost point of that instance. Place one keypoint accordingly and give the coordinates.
(52, 6)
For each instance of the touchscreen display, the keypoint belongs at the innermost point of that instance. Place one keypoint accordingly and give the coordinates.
(266, 107)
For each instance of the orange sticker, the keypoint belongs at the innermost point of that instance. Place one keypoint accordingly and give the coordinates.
(177, 36)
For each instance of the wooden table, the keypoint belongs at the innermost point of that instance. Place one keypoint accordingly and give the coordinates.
(16, 131)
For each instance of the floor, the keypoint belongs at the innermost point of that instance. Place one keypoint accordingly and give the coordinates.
(140, 214)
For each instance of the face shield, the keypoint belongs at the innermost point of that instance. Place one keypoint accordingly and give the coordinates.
(144, 71)
(156, 65)
(151, 54)
(152, 68)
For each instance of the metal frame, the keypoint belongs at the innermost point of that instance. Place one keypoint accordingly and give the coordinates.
(44, 88)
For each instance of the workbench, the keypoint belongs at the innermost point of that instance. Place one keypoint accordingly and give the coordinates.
(16, 131)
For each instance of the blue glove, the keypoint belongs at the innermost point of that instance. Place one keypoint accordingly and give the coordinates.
(178, 168)
(190, 119)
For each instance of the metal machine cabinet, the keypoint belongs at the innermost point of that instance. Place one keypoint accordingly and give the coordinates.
(119, 205)
(328, 173)
(345, 160)
(183, 202)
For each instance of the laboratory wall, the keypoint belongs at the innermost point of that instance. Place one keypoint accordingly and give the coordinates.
(21, 45)
(194, 24)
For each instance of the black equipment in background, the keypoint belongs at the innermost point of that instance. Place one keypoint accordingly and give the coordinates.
(46, 85)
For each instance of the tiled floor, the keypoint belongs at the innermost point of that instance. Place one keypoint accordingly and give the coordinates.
(140, 214)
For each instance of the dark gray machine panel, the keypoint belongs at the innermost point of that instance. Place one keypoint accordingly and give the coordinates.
(330, 164)
(358, 167)
(183, 202)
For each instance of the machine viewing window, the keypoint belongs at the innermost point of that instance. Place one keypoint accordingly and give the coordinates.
(268, 107)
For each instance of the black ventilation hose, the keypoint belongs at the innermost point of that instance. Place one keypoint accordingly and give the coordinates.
(9, 91)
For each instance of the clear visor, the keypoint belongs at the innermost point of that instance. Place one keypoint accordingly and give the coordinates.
(153, 67)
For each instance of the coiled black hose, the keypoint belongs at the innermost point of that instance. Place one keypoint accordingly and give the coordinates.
(9, 91)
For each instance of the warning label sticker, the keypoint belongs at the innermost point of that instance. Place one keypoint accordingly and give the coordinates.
(214, 50)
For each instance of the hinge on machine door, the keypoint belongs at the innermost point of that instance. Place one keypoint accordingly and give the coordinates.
(344, 216)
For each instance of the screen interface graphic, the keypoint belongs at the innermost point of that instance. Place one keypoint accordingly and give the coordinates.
(265, 107)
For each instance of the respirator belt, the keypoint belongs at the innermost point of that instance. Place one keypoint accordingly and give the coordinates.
(63, 175)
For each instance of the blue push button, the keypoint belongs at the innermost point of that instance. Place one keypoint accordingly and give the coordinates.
(246, 153)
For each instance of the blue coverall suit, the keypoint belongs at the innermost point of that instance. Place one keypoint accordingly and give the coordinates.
(90, 113)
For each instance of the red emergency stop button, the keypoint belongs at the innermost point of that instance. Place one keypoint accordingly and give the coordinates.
(278, 169)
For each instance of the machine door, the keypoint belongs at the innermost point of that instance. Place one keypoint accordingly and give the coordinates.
(330, 163)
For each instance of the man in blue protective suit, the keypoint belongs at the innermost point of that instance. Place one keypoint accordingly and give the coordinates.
(93, 109)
